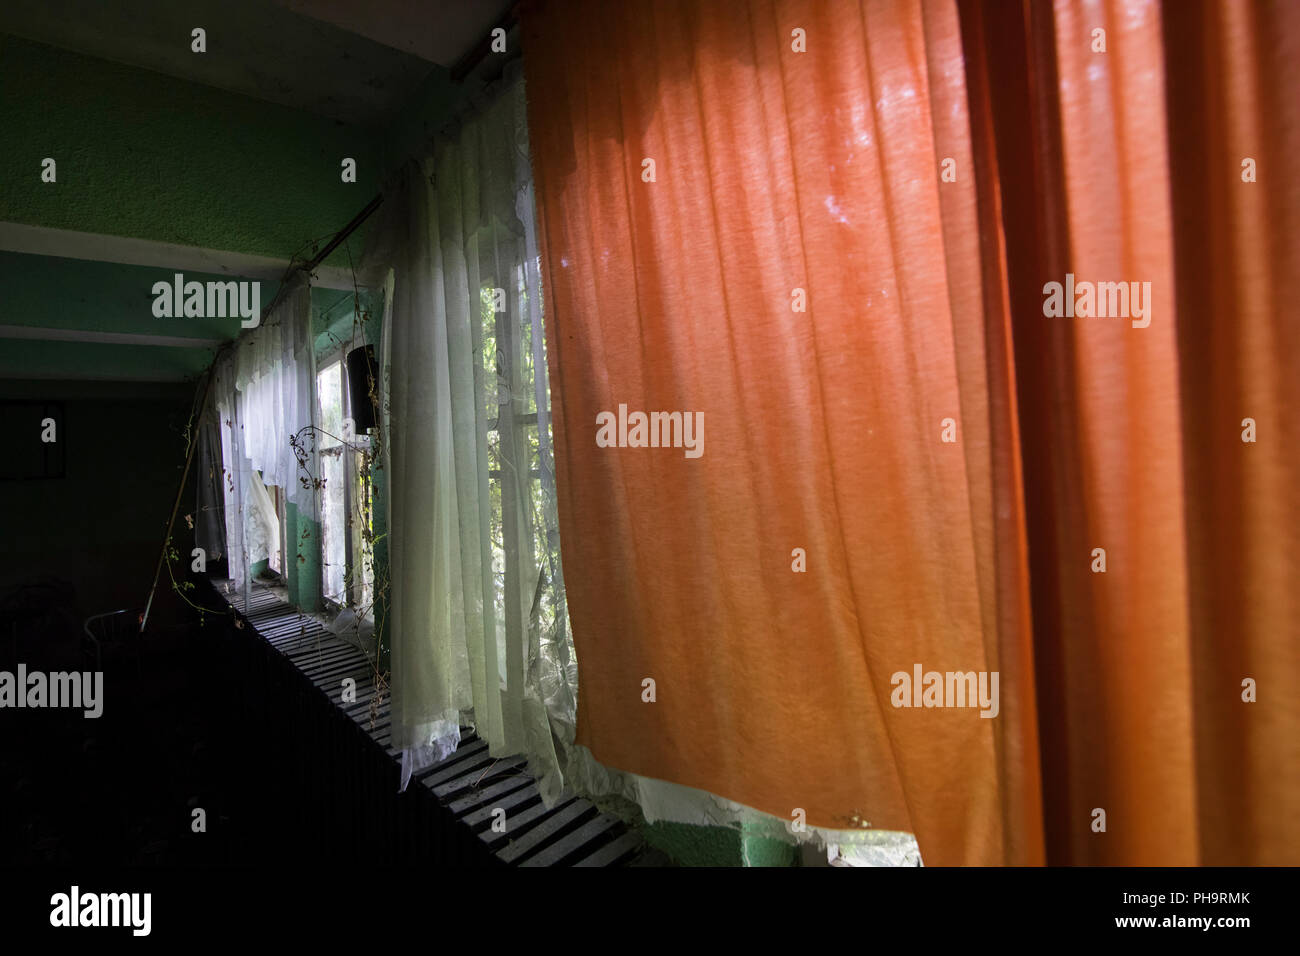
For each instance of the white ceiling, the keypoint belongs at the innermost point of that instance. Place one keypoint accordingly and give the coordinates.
(357, 62)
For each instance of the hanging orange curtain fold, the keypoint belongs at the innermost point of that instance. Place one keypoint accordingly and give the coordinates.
(1129, 144)
(821, 233)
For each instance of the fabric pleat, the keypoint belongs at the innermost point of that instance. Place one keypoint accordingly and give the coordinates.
(778, 174)
(829, 231)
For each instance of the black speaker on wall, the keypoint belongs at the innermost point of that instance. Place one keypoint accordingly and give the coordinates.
(363, 379)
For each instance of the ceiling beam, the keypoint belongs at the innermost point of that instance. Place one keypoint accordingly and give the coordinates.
(104, 338)
(95, 247)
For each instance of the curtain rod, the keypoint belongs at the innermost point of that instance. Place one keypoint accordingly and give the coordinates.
(462, 68)
(343, 233)
(466, 64)
(316, 260)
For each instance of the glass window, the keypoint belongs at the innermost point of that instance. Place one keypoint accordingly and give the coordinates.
(329, 386)
(334, 511)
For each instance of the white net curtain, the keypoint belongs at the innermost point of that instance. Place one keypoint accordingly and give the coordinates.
(476, 589)
(275, 374)
(263, 391)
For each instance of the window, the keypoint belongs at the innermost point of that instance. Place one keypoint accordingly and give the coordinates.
(333, 515)
(522, 525)
(346, 501)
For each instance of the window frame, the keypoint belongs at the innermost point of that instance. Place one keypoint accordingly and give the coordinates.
(323, 364)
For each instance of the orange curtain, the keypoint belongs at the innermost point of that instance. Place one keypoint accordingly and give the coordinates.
(826, 228)
(1128, 164)
(1232, 93)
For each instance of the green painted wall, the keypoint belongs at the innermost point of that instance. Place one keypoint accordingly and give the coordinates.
(342, 319)
(764, 851)
(690, 845)
(154, 157)
(695, 846)
(302, 557)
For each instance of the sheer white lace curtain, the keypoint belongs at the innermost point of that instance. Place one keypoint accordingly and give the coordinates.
(263, 390)
(275, 374)
(472, 589)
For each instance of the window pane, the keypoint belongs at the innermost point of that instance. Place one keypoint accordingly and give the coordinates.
(333, 527)
(329, 389)
(488, 351)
